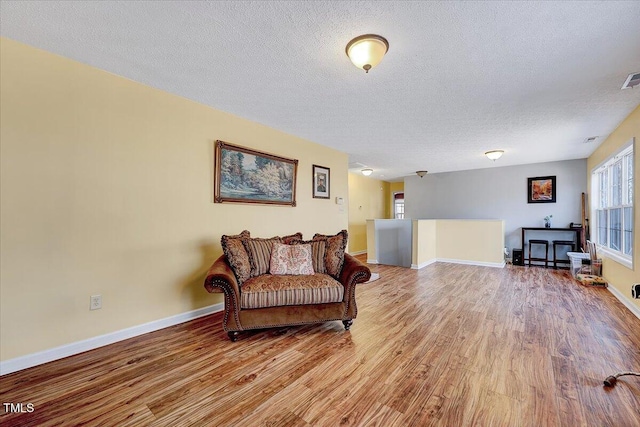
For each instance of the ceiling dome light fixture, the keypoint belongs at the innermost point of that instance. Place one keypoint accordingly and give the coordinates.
(366, 172)
(494, 154)
(367, 51)
(421, 174)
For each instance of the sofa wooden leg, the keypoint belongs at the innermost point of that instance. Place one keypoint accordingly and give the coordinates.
(233, 335)
(347, 324)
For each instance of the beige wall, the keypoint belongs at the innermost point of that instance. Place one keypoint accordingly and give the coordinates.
(423, 242)
(368, 199)
(107, 189)
(470, 240)
(372, 251)
(617, 275)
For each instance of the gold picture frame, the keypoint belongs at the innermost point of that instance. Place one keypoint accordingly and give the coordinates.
(244, 175)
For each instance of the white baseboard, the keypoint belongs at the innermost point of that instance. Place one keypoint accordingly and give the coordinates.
(423, 264)
(358, 252)
(624, 300)
(372, 261)
(467, 262)
(458, 261)
(34, 359)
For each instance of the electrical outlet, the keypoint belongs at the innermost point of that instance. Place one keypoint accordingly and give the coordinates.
(96, 302)
(635, 290)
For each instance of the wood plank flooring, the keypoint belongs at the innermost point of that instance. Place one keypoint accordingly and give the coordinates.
(448, 345)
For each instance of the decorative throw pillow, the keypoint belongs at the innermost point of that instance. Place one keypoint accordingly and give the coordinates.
(259, 251)
(237, 255)
(291, 239)
(291, 259)
(318, 248)
(334, 253)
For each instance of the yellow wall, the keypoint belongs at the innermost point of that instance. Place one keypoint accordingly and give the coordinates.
(367, 200)
(107, 189)
(616, 274)
(394, 187)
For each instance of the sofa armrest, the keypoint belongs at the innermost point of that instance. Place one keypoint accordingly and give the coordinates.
(220, 278)
(353, 271)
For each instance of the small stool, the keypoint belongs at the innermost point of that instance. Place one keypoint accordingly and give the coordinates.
(546, 251)
(557, 243)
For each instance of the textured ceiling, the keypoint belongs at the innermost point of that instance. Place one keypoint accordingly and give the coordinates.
(460, 78)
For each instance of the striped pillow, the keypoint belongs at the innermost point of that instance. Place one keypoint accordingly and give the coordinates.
(334, 253)
(259, 251)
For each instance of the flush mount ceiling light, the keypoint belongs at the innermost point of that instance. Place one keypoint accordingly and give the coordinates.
(421, 174)
(366, 172)
(367, 51)
(494, 154)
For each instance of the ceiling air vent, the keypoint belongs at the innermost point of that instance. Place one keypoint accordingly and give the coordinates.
(632, 81)
(590, 139)
(356, 165)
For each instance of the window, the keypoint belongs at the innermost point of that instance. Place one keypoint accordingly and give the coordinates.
(612, 184)
(398, 205)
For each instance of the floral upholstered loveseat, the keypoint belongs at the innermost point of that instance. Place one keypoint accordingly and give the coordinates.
(284, 281)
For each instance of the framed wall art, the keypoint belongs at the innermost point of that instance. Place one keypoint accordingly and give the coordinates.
(243, 175)
(321, 182)
(541, 189)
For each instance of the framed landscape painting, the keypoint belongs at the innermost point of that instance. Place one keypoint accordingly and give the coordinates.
(541, 189)
(243, 175)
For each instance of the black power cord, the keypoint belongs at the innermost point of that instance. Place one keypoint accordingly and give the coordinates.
(611, 380)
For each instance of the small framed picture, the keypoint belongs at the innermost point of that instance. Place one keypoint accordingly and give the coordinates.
(321, 182)
(541, 189)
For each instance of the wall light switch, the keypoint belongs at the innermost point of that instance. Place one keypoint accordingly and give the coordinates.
(339, 201)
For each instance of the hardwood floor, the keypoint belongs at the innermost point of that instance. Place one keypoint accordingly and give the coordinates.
(448, 345)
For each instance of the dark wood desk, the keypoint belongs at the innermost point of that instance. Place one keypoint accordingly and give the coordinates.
(577, 232)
